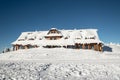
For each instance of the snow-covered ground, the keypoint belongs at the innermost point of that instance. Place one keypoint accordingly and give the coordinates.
(61, 64)
(59, 71)
(111, 53)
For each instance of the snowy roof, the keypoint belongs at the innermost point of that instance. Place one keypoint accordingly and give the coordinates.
(53, 34)
(69, 37)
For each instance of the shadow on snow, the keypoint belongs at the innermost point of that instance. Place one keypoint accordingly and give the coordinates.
(107, 48)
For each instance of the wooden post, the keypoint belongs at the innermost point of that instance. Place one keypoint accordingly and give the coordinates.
(16, 47)
(76, 45)
(83, 46)
(26, 47)
(100, 47)
(95, 47)
(89, 47)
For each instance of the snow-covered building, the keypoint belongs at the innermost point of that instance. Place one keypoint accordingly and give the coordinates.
(78, 39)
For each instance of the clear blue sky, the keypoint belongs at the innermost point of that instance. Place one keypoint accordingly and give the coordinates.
(17, 16)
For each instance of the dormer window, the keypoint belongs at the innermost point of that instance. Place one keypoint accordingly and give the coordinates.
(21, 39)
(53, 34)
(92, 37)
(66, 37)
(31, 39)
(29, 33)
(53, 30)
(78, 38)
(40, 38)
(53, 38)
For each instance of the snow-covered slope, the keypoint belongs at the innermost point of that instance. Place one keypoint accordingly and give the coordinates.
(62, 54)
(61, 64)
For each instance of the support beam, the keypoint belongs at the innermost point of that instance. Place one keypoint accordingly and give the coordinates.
(77, 46)
(83, 46)
(95, 47)
(26, 47)
(89, 46)
(100, 47)
(16, 47)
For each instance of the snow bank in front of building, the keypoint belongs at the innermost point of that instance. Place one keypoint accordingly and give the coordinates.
(56, 54)
(61, 64)
(63, 54)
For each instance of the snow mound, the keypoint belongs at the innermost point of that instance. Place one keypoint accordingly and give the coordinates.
(111, 52)
(61, 64)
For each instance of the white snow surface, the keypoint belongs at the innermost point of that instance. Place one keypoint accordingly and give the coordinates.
(61, 64)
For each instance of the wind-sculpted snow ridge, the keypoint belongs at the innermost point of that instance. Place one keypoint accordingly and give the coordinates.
(48, 71)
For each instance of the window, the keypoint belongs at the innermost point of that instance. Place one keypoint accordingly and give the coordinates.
(77, 38)
(21, 39)
(40, 38)
(53, 38)
(29, 33)
(31, 39)
(86, 38)
(66, 37)
(92, 37)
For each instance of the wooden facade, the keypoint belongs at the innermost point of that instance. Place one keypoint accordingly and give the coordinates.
(95, 46)
(55, 37)
(54, 34)
(17, 47)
